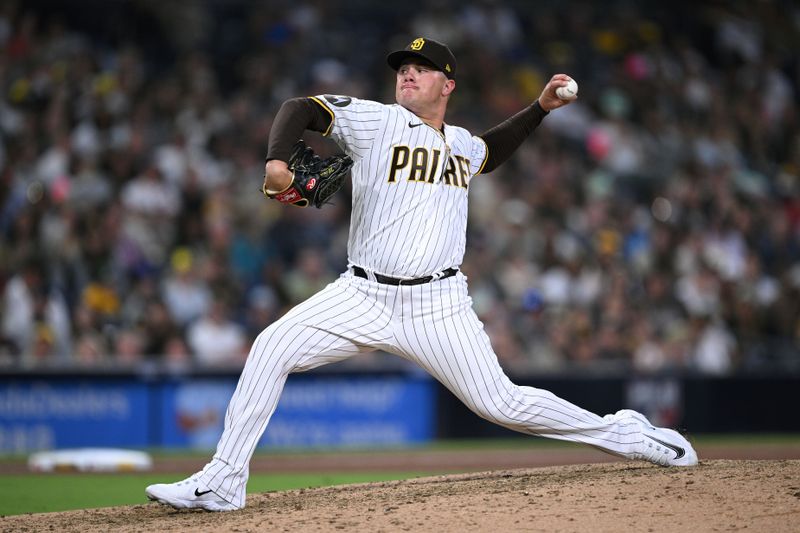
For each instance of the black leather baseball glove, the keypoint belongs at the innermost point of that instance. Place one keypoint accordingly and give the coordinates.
(314, 180)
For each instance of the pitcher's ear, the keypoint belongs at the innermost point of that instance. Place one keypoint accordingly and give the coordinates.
(449, 87)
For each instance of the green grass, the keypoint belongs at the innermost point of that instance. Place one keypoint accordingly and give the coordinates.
(43, 493)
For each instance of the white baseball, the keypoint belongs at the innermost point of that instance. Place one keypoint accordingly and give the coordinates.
(569, 92)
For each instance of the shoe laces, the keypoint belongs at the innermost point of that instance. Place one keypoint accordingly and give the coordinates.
(655, 453)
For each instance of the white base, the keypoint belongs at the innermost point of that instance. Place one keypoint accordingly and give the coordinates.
(90, 460)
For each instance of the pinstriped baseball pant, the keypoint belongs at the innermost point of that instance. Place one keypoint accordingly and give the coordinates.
(432, 325)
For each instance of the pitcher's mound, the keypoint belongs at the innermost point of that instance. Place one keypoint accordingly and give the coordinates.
(720, 495)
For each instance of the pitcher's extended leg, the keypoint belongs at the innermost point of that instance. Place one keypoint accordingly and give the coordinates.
(332, 325)
(449, 342)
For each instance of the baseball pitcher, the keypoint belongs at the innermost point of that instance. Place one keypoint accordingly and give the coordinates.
(403, 291)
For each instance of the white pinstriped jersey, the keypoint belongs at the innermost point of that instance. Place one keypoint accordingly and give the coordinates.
(410, 185)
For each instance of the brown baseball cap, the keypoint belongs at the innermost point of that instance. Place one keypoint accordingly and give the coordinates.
(436, 53)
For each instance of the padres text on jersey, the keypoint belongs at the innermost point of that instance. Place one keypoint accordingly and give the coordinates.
(409, 181)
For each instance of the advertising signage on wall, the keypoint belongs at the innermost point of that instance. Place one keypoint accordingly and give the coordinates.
(38, 414)
(313, 411)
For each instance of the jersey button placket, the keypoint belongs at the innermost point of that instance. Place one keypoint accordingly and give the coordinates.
(446, 154)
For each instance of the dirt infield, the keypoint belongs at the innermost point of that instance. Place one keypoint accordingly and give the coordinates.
(717, 495)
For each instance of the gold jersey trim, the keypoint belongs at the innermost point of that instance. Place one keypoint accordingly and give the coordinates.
(326, 108)
(485, 158)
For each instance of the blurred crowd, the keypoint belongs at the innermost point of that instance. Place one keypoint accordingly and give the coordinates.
(652, 226)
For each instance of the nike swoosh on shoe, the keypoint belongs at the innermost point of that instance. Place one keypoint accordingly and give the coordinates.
(679, 452)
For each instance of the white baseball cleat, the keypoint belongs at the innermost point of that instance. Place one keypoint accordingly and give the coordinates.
(662, 446)
(188, 494)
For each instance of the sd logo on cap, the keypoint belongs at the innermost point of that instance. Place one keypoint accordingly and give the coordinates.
(435, 53)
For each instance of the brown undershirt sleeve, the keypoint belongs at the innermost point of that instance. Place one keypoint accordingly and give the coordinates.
(293, 118)
(503, 139)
